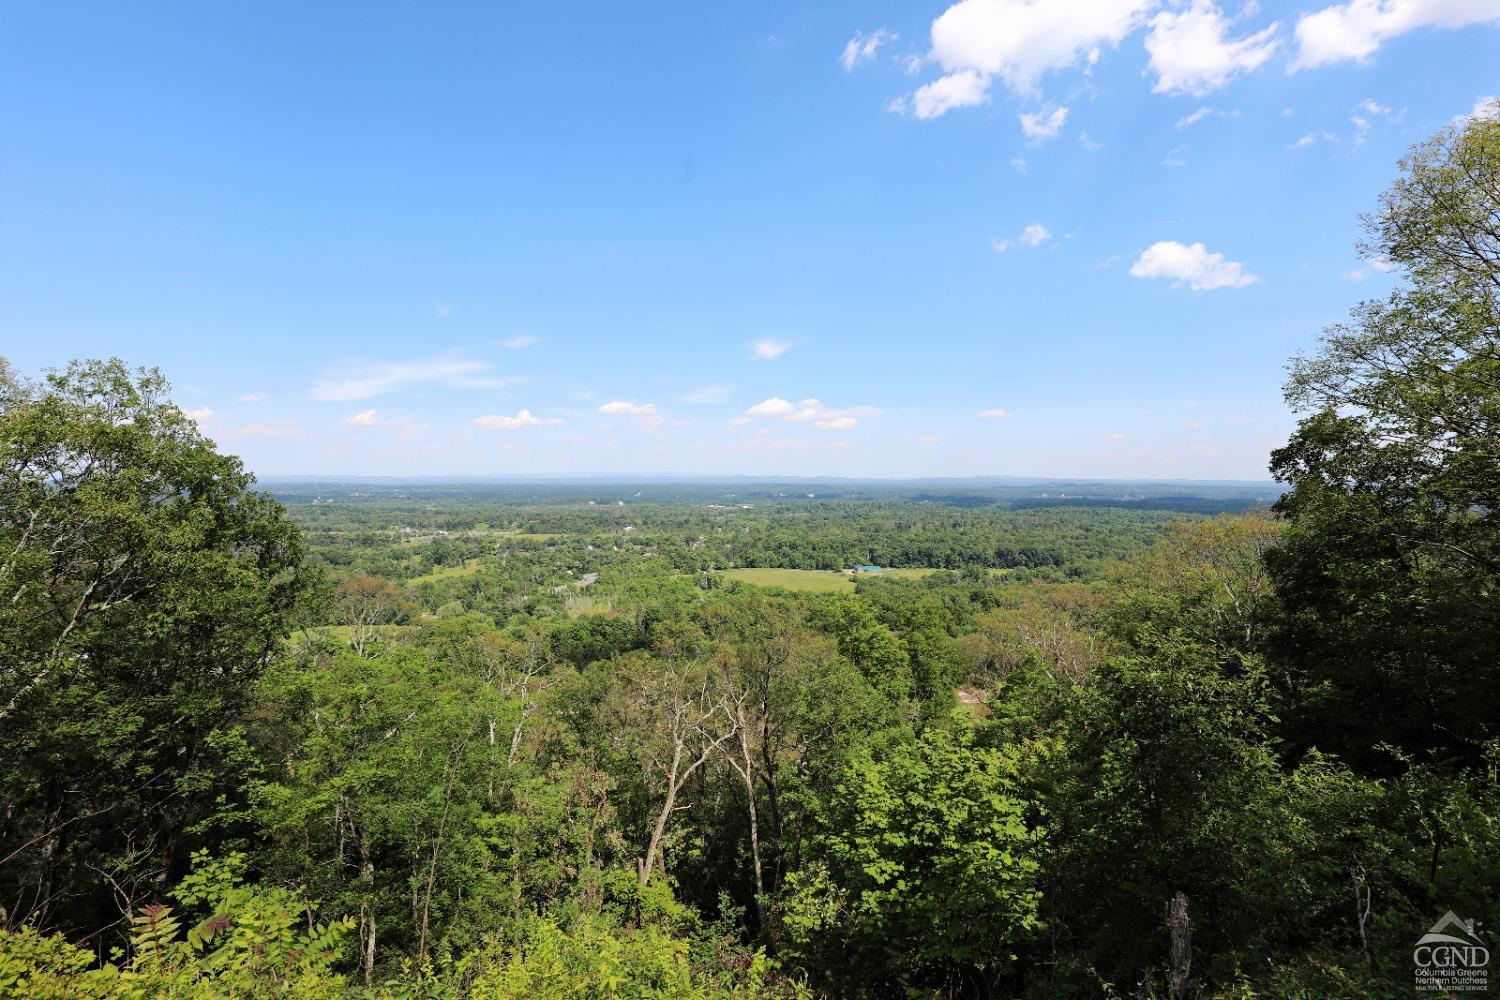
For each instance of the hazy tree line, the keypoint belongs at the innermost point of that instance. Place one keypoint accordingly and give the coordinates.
(1256, 758)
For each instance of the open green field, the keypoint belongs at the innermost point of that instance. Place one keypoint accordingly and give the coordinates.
(813, 581)
(443, 572)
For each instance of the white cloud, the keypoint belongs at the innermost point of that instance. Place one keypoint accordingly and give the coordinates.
(1191, 425)
(1485, 109)
(1355, 30)
(709, 394)
(405, 428)
(1033, 235)
(1197, 116)
(643, 415)
(810, 411)
(250, 397)
(1192, 265)
(964, 89)
(1190, 53)
(524, 418)
(1311, 138)
(523, 341)
(200, 415)
(1361, 273)
(996, 414)
(374, 379)
(838, 445)
(929, 439)
(1042, 126)
(1117, 436)
(1175, 157)
(365, 418)
(769, 349)
(1020, 40)
(862, 47)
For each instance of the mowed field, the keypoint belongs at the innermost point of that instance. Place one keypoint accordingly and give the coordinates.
(816, 581)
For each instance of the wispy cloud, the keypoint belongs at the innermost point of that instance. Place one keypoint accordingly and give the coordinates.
(517, 343)
(810, 411)
(707, 394)
(404, 428)
(250, 397)
(369, 379)
(643, 415)
(862, 47)
(1043, 125)
(364, 418)
(1033, 235)
(769, 349)
(272, 429)
(996, 414)
(1377, 265)
(524, 418)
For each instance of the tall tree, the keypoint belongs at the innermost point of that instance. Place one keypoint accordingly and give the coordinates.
(1391, 564)
(143, 586)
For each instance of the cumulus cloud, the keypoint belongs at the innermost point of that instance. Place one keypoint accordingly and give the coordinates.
(769, 349)
(1485, 109)
(810, 411)
(200, 415)
(996, 414)
(1033, 235)
(1191, 53)
(862, 47)
(518, 343)
(363, 381)
(1020, 40)
(502, 422)
(643, 415)
(1191, 265)
(964, 89)
(1355, 30)
(1042, 126)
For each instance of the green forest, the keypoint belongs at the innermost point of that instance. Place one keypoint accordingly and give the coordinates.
(343, 740)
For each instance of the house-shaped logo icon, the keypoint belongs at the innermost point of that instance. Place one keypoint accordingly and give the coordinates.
(1452, 957)
(1451, 930)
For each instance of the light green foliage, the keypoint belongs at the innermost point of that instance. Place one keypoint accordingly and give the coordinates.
(255, 943)
(928, 866)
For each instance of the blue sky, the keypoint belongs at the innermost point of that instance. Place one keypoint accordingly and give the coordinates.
(863, 239)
